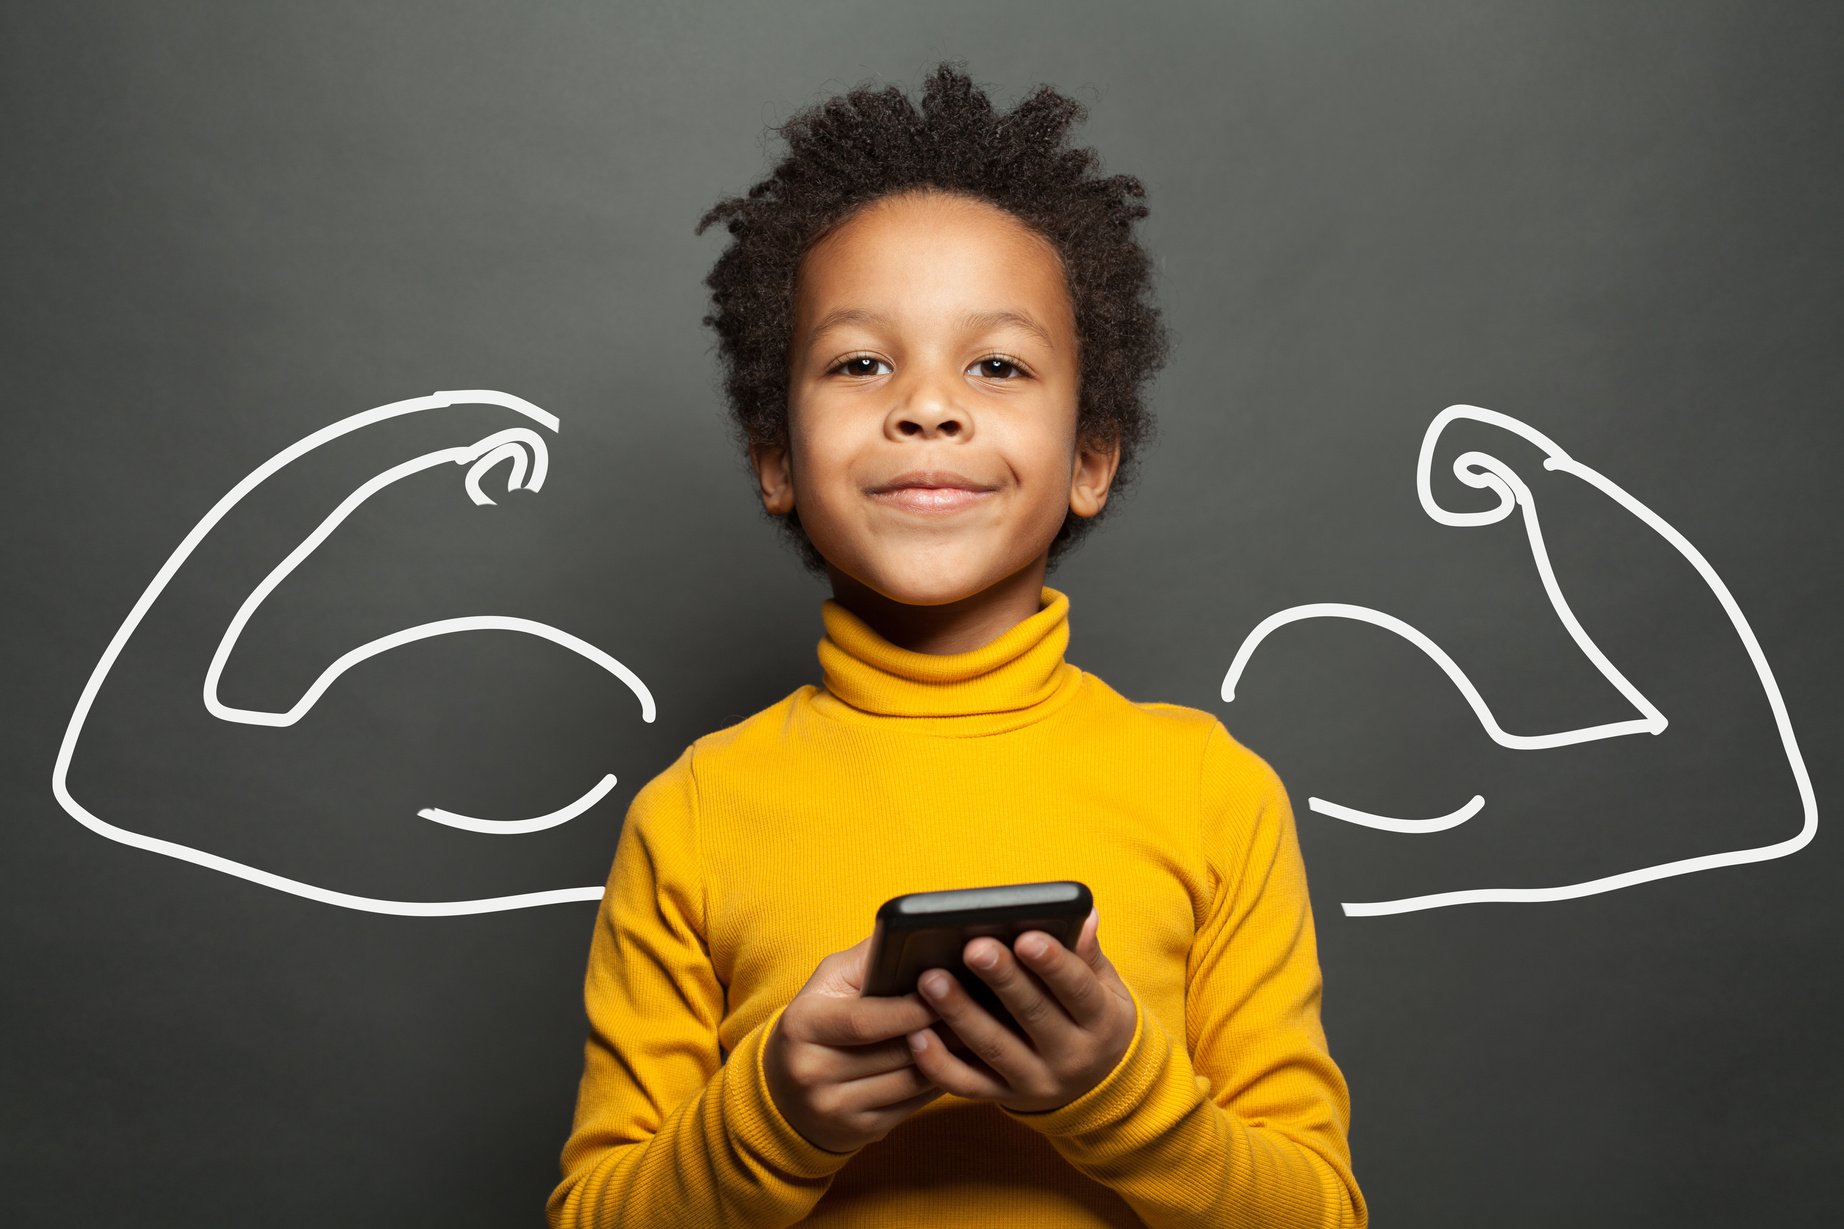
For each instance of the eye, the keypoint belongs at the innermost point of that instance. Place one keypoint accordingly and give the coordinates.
(992, 366)
(986, 366)
(849, 364)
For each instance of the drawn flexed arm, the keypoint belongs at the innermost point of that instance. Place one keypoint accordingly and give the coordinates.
(519, 447)
(1483, 471)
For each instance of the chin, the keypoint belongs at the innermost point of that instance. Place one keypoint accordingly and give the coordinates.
(922, 586)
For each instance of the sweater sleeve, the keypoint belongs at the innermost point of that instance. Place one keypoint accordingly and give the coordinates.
(667, 1131)
(1255, 1134)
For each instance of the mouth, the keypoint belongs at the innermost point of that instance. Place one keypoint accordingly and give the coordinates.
(931, 491)
(930, 500)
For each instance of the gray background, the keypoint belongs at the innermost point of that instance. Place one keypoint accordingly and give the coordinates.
(226, 226)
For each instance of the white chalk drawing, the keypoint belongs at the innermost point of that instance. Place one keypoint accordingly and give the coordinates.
(520, 447)
(525, 451)
(1483, 471)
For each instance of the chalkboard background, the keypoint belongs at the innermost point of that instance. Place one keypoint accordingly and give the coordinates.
(227, 227)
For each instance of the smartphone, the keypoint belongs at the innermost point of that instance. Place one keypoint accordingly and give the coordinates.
(929, 930)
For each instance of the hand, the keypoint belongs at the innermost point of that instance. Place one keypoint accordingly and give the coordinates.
(836, 1063)
(1074, 1008)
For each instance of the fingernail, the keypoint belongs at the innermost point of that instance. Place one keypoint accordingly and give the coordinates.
(918, 1041)
(984, 958)
(1033, 946)
(935, 985)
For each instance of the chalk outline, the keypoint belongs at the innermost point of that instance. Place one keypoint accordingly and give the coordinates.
(511, 445)
(1495, 475)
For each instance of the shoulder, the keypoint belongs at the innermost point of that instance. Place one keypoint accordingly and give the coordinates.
(1200, 731)
(1191, 744)
(746, 745)
(734, 747)
(764, 725)
(1227, 768)
(1171, 720)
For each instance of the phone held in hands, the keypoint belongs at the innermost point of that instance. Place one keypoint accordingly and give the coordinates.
(929, 930)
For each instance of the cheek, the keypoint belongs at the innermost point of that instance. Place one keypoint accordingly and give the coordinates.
(1059, 453)
(1049, 501)
(821, 468)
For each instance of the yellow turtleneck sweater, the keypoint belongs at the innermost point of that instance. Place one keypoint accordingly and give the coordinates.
(770, 844)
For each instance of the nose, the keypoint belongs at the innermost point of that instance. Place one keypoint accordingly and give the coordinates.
(929, 405)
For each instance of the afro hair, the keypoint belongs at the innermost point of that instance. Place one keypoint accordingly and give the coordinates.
(852, 149)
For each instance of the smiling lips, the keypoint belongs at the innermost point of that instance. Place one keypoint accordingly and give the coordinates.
(934, 490)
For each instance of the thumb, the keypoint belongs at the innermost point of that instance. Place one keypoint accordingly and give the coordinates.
(853, 964)
(1088, 943)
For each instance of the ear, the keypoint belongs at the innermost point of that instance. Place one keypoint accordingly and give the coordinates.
(775, 476)
(1093, 469)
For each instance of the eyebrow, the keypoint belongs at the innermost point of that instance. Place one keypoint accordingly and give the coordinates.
(972, 320)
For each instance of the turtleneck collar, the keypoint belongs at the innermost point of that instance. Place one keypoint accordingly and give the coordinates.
(1007, 682)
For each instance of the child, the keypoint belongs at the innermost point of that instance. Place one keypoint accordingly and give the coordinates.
(933, 330)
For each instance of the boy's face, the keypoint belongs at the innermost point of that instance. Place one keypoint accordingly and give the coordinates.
(925, 388)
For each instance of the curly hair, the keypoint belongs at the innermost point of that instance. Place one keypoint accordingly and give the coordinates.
(855, 148)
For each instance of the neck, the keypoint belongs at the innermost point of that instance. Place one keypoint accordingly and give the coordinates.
(1016, 679)
(946, 627)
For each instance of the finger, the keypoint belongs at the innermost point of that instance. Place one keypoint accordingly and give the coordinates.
(815, 1060)
(891, 1088)
(951, 1039)
(912, 1104)
(867, 1020)
(844, 1063)
(1034, 1007)
(991, 1042)
(1069, 977)
(973, 1080)
(1088, 942)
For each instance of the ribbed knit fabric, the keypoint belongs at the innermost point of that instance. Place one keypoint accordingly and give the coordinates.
(770, 844)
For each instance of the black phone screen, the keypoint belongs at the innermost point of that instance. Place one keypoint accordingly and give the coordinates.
(929, 930)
